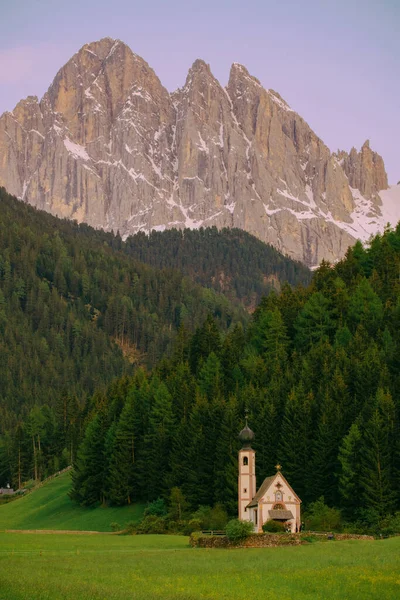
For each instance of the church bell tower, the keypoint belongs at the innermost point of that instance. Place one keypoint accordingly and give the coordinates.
(247, 472)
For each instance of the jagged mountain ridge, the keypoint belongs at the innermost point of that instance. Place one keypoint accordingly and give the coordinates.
(109, 145)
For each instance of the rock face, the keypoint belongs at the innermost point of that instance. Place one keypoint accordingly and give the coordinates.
(365, 170)
(108, 145)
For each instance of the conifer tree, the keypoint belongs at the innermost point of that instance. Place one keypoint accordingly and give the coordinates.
(226, 464)
(158, 442)
(294, 450)
(200, 484)
(88, 476)
(324, 462)
(376, 476)
(120, 479)
(266, 428)
(314, 322)
(210, 377)
(349, 474)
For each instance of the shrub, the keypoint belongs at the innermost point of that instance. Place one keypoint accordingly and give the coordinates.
(130, 527)
(211, 518)
(390, 525)
(203, 515)
(152, 524)
(157, 508)
(115, 526)
(218, 517)
(273, 527)
(191, 526)
(321, 517)
(177, 504)
(194, 538)
(237, 530)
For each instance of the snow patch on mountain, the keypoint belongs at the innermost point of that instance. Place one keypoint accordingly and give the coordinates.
(77, 151)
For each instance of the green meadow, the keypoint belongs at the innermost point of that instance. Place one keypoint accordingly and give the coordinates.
(49, 507)
(94, 567)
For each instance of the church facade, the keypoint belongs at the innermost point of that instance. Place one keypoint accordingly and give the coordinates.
(275, 499)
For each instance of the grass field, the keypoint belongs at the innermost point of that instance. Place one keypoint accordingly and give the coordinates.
(55, 567)
(50, 508)
(104, 567)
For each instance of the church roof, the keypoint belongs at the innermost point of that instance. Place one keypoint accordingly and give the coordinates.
(265, 486)
(280, 514)
(261, 491)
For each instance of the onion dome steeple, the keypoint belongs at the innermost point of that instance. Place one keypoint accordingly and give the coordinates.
(246, 436)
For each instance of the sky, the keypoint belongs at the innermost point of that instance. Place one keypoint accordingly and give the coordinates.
(336, 62)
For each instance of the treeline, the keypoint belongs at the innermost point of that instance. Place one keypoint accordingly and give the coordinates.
(230, 261)
(318, 372)
(75, 312)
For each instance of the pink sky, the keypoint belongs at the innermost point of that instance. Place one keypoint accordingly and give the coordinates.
(336, 63)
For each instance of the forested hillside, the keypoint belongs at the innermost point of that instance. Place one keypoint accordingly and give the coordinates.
(318, 372)
(317, 369)
(231, 260)
(75, 312)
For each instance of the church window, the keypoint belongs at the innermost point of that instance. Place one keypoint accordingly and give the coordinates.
(278, 496)
(278, 506)
(244, 490)
(245, 461)
(245, 509)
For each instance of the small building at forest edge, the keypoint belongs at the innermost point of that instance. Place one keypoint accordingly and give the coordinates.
(275, 499)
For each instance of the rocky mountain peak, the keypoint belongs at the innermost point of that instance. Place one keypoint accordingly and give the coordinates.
(240, 81)
(107, 144)
(365, 170)
(200, 66)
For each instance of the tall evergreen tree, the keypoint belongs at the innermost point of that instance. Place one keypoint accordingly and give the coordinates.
(159, 442)
(294, 451)
(88, 476)
(349, 475)
(376, 477)
(120, 479)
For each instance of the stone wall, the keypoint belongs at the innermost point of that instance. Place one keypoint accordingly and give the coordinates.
(345, 536)
(260, 540)
(265, 540)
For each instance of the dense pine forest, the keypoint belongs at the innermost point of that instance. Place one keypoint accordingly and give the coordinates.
(75, 312)
(316, 368)
(230, 261)
(318, 371)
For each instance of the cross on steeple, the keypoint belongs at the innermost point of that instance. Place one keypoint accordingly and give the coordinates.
(278, 467)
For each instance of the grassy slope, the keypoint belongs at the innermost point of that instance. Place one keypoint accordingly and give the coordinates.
(55, 567)
(49, 507)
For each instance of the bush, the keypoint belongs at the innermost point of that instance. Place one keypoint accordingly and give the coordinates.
(237, 530)
(177, 504)
(211, 518)
(157, 508)
(130, 527)
(321, 517)
(390, 525)
(218, 517)
(191, 526)
(152, 524)
(273, 527)
(115, 526)
(203, 515)
(194, 538)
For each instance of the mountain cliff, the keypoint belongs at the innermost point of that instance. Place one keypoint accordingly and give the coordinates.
(109, 145)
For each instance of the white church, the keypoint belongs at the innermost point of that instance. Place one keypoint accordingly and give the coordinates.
(274, 499)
